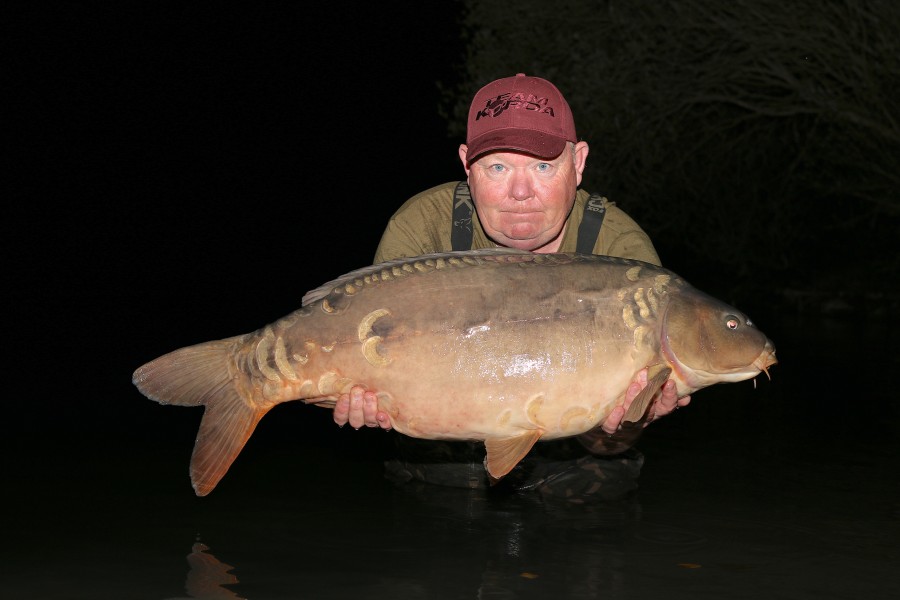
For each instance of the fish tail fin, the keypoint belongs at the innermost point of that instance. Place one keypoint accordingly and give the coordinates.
(200, 376)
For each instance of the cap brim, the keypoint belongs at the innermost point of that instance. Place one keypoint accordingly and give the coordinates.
(529, 141)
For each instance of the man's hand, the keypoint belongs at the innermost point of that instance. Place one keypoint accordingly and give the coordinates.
(612, 437)
(664, 403)
(359, 408)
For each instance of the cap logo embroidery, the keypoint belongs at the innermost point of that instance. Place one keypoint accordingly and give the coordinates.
(497, 105)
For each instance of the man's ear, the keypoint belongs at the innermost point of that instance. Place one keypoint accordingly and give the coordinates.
(463, 152)
(581, 154)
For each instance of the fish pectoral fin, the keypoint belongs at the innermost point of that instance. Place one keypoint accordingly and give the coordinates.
(658, 375)
(505, 453)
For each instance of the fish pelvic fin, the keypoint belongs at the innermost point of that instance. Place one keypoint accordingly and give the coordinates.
(658, 375)
(503, 454)
(200, 376)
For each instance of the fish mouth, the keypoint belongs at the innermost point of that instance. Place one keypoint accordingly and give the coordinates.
(766, 359)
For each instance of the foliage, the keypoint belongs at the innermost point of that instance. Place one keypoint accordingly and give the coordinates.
(752, 135)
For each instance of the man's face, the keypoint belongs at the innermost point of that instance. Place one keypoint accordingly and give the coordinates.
(523, 201)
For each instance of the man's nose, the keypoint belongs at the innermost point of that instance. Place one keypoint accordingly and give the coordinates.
(520, 186)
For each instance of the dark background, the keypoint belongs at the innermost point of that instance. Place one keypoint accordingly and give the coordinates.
(186, 172)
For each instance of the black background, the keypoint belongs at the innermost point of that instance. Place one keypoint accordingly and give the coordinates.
(186, 172)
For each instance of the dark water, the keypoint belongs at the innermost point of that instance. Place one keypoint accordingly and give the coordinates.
(788, 490)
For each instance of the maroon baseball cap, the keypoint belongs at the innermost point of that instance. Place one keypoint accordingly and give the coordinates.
(521, 113)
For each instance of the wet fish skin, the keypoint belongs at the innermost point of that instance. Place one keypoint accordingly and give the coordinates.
(503, 346)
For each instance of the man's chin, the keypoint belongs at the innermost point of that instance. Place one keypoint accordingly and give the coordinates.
(518, 244)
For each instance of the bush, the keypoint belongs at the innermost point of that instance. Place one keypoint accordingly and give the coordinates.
(749, 138)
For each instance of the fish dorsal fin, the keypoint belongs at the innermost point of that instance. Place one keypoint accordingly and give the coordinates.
(505, 453)
(640, 404)
(323, 290)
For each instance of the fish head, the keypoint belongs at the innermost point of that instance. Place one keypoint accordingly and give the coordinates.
(706, 341)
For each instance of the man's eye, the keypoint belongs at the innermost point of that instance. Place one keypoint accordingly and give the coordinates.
(496, 168)
(544, 167)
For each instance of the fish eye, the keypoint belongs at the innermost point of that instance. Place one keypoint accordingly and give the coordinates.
(732, 322)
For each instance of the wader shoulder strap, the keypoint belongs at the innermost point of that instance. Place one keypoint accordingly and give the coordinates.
(461, 234)
(591, 221)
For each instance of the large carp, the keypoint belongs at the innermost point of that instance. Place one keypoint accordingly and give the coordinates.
(503, 346)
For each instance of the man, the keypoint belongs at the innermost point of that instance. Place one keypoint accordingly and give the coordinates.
(523, 163)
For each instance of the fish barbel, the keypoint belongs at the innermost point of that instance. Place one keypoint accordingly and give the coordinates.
(503, 346)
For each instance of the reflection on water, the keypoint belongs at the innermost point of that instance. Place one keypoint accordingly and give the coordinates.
(421, 541)
(441, 542)
(207, 576)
